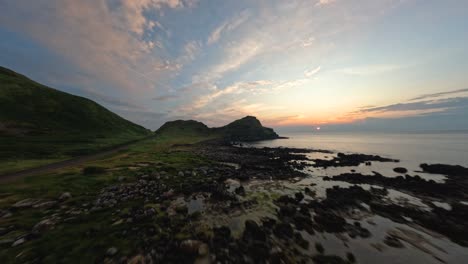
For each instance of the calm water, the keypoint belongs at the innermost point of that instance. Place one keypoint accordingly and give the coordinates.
(412, 150)
(447, 148)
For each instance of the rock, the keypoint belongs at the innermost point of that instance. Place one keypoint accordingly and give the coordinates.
(190, 246)
(283, 230)
(309, 192)
(5, 214)
(299, 196)
(393, 242)
(65, 196)
(203, 250)
(253, 231)
(43, 226)
(46, 205)
(168, 194)
(287, 210)
(25, 203)
(301, 241)
(400, 170)
(240, 190)
(330, 222)
(319, 248)
(351, 258)
(181, 174)
(222, 236)
(111, 251)
(19, 242)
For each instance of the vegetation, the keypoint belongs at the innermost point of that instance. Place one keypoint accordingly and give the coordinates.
(39, 124)
(248, 128)
(73, 240)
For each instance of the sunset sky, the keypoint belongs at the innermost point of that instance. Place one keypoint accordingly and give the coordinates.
(288, 62)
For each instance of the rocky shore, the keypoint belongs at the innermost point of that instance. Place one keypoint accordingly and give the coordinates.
(235, 208)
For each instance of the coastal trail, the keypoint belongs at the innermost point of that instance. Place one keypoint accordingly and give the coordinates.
(10, 177)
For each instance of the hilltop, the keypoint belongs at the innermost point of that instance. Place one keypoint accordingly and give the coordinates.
(39, 122)
(248, 128)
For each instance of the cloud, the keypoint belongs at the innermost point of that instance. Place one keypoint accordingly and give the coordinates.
(371, 69)
(228, 26)
(310, 73)
(258, 87)
(324, 2)
(103, 41)
(165, 97)
(440, 104)
(434, 95)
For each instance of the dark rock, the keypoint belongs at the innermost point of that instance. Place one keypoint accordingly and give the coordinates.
(111, 251)
(319, 248)
(299, 196)
(393, 242)
(400, 170)
(301, 241)
(328, 259)
(240, 190)
(330, 222)
(253, 231)
(283, 230)
(351, 258)
(65, 196)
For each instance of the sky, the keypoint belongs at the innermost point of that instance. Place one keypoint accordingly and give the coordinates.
(293, 64)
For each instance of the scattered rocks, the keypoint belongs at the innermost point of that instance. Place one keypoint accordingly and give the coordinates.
(283, 230)
(394, 242)
(18, 242)
(111, 251)
(253, 231)
(240, 190)
(65, 196)
(5, 213)
(44, 225)
(25, 203)
(191, 246)
(345, 160)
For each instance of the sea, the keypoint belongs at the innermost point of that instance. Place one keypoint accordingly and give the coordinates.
(431, 147)
(412, 149)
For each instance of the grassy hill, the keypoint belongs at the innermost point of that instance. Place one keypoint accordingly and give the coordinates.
(248, 128)
(39, 124)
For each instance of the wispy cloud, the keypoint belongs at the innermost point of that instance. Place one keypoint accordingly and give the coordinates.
(104, 41)
(310, 73)
(371, 69)
(422, 105)
(228, 26)
(435, 95)
(165, 97)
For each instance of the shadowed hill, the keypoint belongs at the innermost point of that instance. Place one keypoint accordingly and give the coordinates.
(248, 128)
(40, 122)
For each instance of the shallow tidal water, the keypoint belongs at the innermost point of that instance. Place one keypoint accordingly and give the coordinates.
(420, 245)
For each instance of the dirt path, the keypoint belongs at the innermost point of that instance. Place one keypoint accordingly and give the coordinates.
(9, 177)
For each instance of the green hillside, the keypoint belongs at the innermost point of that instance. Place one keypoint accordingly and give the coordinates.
(248, 128)
(38, 122)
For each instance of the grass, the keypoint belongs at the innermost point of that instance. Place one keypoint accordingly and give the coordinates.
(9, 166)
(39, 124)
(71, 242)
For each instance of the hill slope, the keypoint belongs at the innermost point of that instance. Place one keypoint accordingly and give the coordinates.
(40, 122)
(248, 128)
